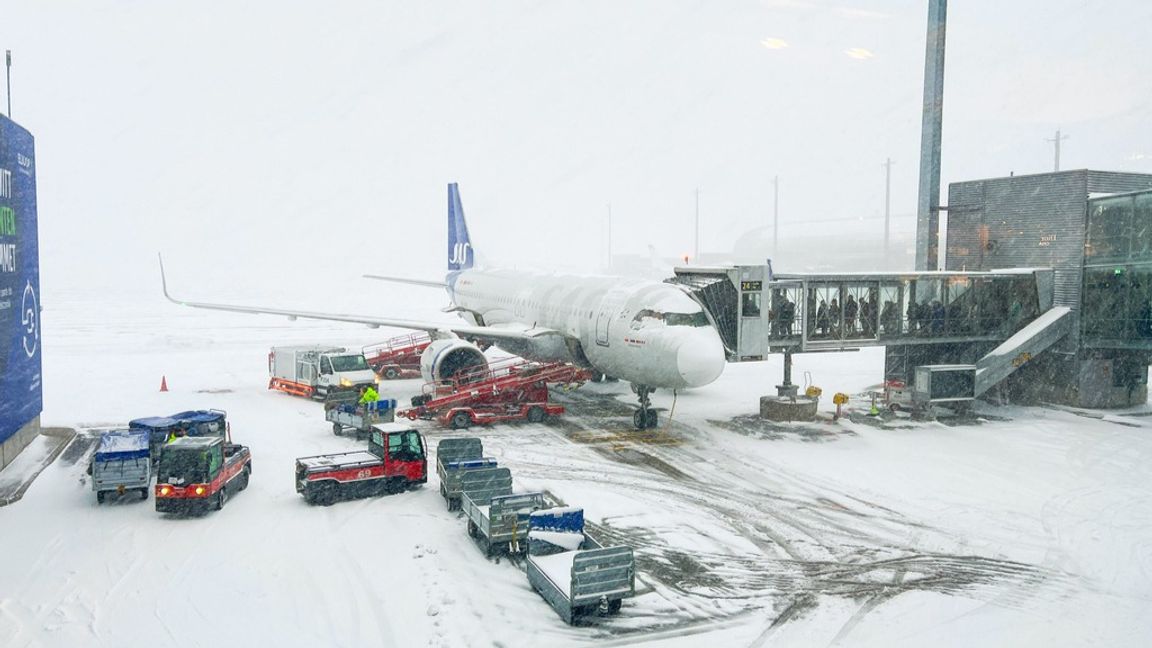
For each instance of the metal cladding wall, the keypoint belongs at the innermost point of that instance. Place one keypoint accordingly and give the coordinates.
(1030, 221)
(21, 398)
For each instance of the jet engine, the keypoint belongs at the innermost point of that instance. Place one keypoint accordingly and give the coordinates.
(443, 359)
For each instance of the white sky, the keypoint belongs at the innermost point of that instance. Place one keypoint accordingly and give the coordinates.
(317, 138)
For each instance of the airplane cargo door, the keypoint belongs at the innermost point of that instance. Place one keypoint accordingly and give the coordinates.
(610, 307)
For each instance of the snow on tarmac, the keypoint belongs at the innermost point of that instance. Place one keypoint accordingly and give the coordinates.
(1032, 527)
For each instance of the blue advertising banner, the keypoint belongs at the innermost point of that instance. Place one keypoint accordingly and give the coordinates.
(21, 398)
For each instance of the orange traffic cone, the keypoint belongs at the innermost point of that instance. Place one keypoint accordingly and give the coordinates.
(163, 383)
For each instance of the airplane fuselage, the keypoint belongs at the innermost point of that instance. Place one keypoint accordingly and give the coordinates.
(645, 332)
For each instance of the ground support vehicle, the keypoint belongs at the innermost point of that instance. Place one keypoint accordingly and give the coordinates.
(210, 422)
(497, 518)
(571, 571)
(200, 473)
(360, 417)
(394, 461)
(454, 457)
(203, 423)
(158, 429)
(462, 418)
(398, 357)
(319, 372)
(121, 463)
(496, 394)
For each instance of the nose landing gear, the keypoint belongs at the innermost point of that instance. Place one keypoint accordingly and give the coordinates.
(645, 417)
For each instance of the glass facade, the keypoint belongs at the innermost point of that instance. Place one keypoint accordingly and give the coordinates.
(954, 305)
(1117, 290)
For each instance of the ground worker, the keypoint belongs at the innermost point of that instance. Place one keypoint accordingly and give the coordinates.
(368, 395)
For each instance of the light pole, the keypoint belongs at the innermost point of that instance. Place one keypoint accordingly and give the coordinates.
(8, 78)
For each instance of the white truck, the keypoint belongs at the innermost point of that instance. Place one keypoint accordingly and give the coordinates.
(320, 372)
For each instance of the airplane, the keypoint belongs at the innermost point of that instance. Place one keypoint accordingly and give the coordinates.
(651, 334)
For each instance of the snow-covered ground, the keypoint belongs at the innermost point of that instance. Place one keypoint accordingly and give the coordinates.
(1031, 528)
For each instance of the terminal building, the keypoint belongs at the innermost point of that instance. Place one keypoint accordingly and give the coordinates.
(21, 398)
(1045, 295)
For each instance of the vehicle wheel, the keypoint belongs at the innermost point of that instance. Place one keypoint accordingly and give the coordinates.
(597, 377)
(461, 421)
(144, 493)
(640, 419)
(99, 497)
(245, 475)
(391, 374)
(536, 414)
(337, 429)
(894, 407)
(472, 530)
(220, 496)
(614, 606)
(326, 495)
(651, 419)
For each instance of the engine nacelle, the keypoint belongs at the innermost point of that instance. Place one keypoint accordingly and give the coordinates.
(443, 359)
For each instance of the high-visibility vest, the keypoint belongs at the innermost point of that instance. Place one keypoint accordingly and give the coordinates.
(369, 396)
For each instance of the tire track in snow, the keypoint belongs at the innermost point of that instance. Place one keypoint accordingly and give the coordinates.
(814, 545)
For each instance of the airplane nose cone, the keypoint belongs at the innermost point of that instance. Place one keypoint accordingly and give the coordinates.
(700, 359)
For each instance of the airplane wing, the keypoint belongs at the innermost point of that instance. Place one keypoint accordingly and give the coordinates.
(435, 329)
(405, 280)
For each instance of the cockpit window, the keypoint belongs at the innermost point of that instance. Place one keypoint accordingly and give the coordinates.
(648, 316)
(686, 319)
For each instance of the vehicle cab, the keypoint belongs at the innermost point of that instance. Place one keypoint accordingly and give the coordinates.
(402, 449)
(345, 371)
(199, 473)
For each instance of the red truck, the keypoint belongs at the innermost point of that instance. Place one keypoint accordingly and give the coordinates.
(200, 473)
(394, 461)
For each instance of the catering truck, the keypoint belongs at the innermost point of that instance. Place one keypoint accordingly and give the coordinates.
(320, 372)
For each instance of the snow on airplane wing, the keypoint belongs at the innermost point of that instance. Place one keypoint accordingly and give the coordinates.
(433, 328)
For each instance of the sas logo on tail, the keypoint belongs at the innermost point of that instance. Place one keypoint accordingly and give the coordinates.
(460, 253)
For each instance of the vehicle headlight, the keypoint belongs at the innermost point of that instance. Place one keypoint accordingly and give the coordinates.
(199, 490)
(344, 382)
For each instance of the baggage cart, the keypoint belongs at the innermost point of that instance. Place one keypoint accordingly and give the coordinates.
(497, 518)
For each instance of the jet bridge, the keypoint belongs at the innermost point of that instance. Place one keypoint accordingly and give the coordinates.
(758, 313)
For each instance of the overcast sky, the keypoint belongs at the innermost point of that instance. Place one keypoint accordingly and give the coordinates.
(317, 138)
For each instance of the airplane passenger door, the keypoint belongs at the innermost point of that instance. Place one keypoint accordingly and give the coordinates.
(610, 307)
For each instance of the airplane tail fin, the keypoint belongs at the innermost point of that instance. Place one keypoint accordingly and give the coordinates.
(460, 251)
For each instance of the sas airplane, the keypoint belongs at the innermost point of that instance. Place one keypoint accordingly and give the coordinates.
(650, 334)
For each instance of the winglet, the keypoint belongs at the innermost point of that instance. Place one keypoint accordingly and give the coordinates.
(164, 280)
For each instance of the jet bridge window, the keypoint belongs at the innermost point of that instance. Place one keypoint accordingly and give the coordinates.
(750, 304)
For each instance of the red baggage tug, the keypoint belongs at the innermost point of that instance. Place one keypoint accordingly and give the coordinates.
(394, 461)
(200, 473)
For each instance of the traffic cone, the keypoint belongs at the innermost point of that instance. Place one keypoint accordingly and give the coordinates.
(163, 383)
